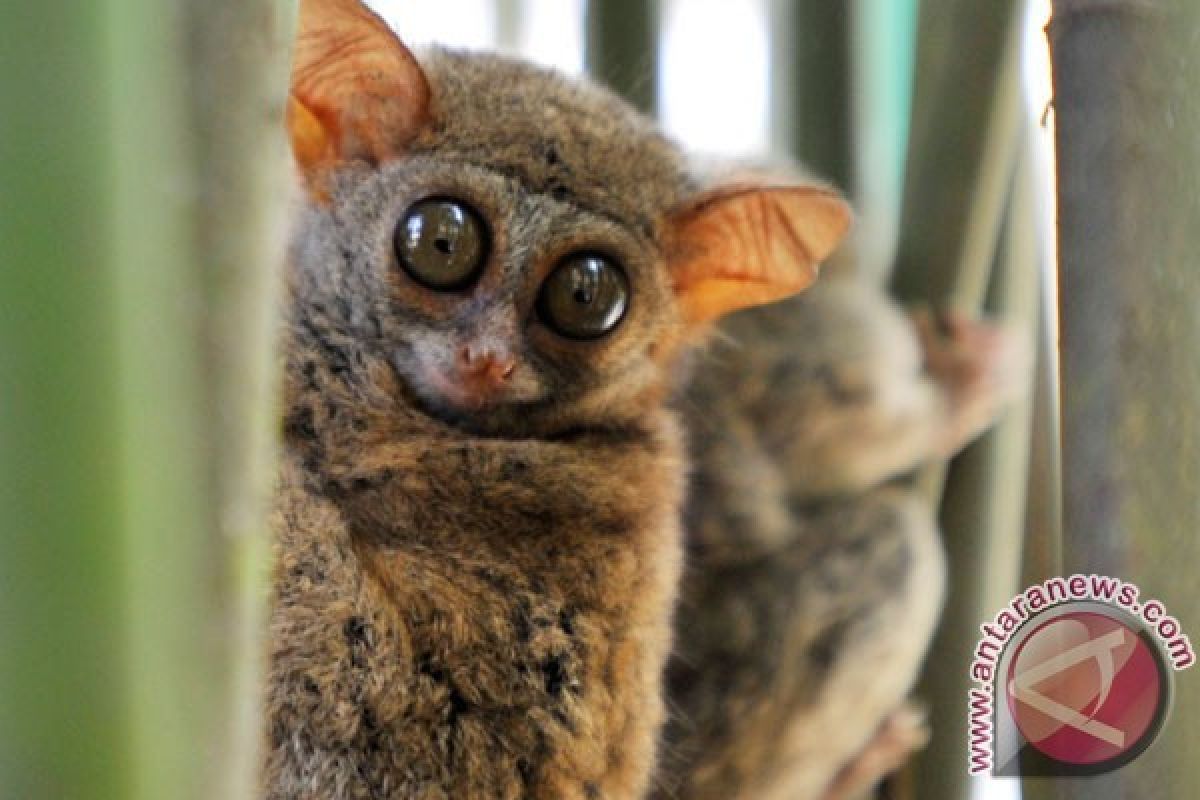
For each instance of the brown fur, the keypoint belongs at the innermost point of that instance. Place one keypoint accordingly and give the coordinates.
(472, 608)
(813, 577)
(443, 628)
(475, 603)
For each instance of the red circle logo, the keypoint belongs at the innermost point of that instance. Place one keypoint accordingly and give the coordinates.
(1085, 689)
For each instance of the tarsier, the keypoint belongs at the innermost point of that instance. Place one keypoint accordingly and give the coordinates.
(500, 283)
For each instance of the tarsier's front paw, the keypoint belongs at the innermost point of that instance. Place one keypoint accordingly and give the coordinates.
(901, 734)
(981, 366)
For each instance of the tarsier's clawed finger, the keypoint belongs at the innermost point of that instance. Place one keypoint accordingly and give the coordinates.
(981, 365)
(902, 733)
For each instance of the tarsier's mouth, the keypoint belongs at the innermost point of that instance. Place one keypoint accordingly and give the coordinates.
(490, 415)
(507, 419)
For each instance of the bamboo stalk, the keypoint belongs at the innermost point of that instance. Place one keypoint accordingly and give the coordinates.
(810, 65)
(622, 48)
(1127, 117)
(959, 192)
(199, 190)
(142, 177)
(982, 518)
(171, 689)
(961, 151)
(63, 727)
(883, 51)
(238, 64)
(1043, 519)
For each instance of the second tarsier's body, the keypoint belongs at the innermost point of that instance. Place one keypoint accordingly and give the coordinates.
(813, 577)
(480, 512)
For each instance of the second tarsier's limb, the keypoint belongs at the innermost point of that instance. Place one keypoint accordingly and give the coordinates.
(839, 391)
(812, 586)
(901, 734)
(787, 662)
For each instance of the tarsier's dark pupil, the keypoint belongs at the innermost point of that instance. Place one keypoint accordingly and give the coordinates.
(585, 297)
(442, 244)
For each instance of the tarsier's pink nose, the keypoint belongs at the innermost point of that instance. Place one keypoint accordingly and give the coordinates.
(485, 365)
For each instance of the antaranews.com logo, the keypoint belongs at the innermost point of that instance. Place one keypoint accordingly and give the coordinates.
(1073, 678)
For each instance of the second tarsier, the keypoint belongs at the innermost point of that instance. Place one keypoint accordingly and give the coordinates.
(537, 535)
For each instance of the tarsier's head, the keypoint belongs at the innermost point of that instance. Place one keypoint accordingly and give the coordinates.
(527, 252)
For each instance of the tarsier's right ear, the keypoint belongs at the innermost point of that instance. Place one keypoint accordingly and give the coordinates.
(357, 92)
(751, 241)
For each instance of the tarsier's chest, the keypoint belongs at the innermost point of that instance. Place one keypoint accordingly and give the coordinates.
(460, 680)
(462, 660)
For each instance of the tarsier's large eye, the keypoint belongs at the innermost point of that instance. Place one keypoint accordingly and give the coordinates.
(584, 297)
(442, 244)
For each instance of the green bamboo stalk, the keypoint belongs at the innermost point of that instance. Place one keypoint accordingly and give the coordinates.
(883, 39)
(961, 151)
(199, 189)
(140, 170)
(170, 678)
(1042, 557)
(622, 48)
(959, 191)
(1127, 118)
(1043, 518)
(983, 515)
(63, 726)
(811, 80)
(810, 65)
(236, 107)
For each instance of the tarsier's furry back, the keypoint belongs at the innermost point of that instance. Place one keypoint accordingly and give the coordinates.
(814, 574)
(491, 281)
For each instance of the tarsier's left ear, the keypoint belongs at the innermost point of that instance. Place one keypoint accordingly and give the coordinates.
(749, 243)
(357, 92)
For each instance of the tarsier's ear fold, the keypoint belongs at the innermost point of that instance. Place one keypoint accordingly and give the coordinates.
(750, 242)
(357, 92)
